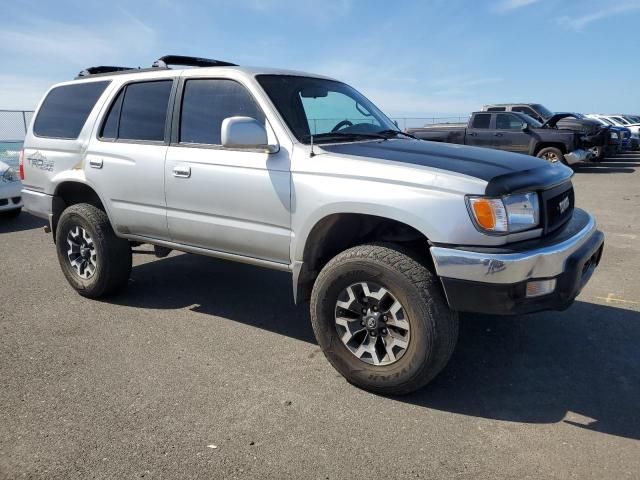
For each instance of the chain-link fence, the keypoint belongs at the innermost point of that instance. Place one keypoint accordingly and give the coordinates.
(13, 128)
(415, 122)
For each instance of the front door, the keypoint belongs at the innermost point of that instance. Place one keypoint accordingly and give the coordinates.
(230, 201)
(509, 135)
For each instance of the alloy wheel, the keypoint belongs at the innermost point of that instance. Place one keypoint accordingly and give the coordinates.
(372, 323)
(82, 253)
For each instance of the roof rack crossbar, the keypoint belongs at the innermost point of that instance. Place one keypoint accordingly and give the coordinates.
(164, 62)
(102, 69)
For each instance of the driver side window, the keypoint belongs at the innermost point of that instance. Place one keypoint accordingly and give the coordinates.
(504, 121)
(325, 113)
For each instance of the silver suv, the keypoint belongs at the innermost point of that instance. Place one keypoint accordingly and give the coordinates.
(389, 237)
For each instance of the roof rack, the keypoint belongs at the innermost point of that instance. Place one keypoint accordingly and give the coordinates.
(164, 62)
(102, 69)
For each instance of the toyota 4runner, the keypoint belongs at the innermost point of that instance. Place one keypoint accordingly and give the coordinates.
(387, 236)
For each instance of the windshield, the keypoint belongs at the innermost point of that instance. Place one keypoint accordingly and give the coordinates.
(532, 122)
(543, 111)
(620, 120)
(630, 119)
(330, 111)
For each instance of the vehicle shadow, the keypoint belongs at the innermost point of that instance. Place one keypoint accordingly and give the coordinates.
(581, 366)
(22, 222)
(621, 163)
(251, 295)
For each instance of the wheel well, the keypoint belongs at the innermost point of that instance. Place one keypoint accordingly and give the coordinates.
(71, 193)
(559, 146)
(338, 232)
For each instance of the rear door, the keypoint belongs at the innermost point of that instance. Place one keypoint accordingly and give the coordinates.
(479, 132)
(230, 201)
(509, 135)
(125, 159)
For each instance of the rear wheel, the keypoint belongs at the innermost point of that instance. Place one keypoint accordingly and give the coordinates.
(551, 155)
(93, 259)
(381, 319)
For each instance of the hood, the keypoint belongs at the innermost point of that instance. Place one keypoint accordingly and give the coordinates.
(504, 172)
(553, 120)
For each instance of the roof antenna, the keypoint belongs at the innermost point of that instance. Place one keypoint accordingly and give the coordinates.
(311, 153)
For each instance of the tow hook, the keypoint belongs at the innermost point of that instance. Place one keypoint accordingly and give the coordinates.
(161, 252)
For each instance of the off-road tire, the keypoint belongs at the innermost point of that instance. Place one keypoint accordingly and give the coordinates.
(113, 253)
(551, 151)
(434, 327)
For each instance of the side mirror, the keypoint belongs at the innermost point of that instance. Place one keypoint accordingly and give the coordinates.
(525, 127)
(245, 133)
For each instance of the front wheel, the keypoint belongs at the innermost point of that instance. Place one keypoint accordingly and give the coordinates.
(381, 319)
(551, 155)
(94, 260)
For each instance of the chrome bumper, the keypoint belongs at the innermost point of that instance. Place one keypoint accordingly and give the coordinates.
(509, 268)
(578, 156)
(37, 203)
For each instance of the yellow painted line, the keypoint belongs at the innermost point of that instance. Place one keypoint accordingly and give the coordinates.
(611, 298)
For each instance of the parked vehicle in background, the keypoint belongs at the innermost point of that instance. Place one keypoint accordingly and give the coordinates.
(513, 132)
(10, 191)
(623, 134)
(596, 137)
(389, 237)
(618, 121)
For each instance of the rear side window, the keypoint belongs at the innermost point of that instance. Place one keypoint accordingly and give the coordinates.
(496, 109)
(65, 110)
(139, 112)
(482, 120)
(207, 102)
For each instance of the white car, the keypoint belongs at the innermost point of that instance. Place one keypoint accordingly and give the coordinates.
(619, 121)
(10, 187)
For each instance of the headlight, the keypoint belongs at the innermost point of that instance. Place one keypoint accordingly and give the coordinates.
(507, 214)
(614, 135)
(10, 175)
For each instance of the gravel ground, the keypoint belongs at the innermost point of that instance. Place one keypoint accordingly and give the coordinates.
(205, 369)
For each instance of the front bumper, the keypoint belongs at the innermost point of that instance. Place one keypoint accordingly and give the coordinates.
(10, 197)
(578, 156)
(493, 280)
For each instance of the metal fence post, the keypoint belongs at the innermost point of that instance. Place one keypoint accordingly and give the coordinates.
(24, 121)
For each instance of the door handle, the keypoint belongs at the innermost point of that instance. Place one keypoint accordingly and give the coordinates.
(473, 134)
(95, 162)
(497, 135)
(182, 172)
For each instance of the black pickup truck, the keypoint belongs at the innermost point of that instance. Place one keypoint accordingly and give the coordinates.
(596, 138)
(514, 132)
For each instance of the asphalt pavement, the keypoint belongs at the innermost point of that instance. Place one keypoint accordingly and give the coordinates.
(205, 369)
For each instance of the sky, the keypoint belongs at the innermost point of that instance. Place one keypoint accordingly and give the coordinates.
(412, 58)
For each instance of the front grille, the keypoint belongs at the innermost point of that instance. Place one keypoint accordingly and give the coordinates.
(4, 202)
(558, 206)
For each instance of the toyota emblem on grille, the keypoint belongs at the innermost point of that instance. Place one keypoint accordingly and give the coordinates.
(563, 205)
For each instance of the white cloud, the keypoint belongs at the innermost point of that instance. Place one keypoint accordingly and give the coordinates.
(508, 5)
(578, 23)
(41, 41)
(22, 92)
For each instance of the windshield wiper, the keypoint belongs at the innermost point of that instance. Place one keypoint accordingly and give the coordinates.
(395, 133)
(345, 136)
